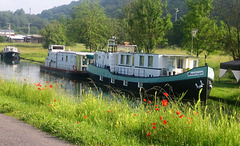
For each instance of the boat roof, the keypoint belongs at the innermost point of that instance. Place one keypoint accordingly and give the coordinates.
(75, 52)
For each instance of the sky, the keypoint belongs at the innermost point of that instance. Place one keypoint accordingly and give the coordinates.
(36, 6)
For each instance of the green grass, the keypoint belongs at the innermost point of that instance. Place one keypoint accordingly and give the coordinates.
(95, 120)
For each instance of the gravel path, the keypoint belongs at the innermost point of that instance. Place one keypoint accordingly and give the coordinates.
(14, 132)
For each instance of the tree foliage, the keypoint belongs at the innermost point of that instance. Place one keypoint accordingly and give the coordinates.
(146, 23)
(54, 33)
(198, 20)
(89, 25)
(229, 11)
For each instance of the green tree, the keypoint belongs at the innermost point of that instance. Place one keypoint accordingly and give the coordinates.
(229, 11)
(2, 39)
(89, 25)
(199, 29)
(54, 33)
(146, 23)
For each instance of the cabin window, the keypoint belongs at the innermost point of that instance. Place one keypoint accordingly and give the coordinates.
(194, 63)
(125, 83)
(180, 63)
(128, 59)
(141, 61)
(112, 81)
(150, 61)
(140, 85)
(133, 61)
(101, 78)
(66, 58)
(122, 59)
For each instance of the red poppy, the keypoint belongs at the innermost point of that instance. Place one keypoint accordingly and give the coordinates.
(25, 79)
(161, 118)
(135, 114)
(149, 134)
(164, 122)
(78, 122)
(49, 104)
(181, 116)
(195, 113)
(165, 94)
(50, 86)
(164, 102)
(154, 123)
(148, 112)
(144, 99)
(39, 89)
(157, 109)
(109, 111)
(177, 112)
(154, 127)
(189, 118)
(156, 105)
(149, 101)
(47, 82)
(85, 117)
(55, 100)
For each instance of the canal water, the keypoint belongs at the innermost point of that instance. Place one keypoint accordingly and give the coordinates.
(20, 70)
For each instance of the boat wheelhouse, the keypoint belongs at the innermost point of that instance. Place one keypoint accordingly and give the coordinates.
(131, 71)
(10, 52)
(69, 64)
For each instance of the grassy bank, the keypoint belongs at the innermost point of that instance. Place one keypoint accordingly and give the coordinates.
(94, 120)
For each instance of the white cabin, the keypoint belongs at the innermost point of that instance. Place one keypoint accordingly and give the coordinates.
(144, 65)
(68, 60)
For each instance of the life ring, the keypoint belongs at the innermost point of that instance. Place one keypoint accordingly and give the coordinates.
(74, 68)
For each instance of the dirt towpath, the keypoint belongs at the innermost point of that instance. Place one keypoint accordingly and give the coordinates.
(14, 132)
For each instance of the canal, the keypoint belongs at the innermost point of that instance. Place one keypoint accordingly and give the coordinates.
(20, 70)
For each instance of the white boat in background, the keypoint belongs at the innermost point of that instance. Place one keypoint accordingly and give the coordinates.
(10, 52)
(121, 66)
(68, 64)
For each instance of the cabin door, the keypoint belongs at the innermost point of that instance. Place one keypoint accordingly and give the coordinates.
(79, 62)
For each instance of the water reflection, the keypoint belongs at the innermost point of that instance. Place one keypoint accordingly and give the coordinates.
(31, 72)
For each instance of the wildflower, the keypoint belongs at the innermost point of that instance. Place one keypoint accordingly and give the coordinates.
(49, 104)
(189, 118)
(108, 111)
(39, 88)
(164, 102)
(181, 116)
(78, 122)
(47, 82)
(50, 86)
(154, 127)
(195, 113)
(135, 114)
(165, 94)
(55, 100)
(25, 79)
(149, 101)
(157, 109)
(156, 105)
(144, 99)
(148, 112)
(85, 117)
(154, 123)
(164, 122)
(161, 118)
(177, 112)
(149, 134)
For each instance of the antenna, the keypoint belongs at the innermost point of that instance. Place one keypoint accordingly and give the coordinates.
(9, 31)
(30, 11)
(29, 28)
(177, 10)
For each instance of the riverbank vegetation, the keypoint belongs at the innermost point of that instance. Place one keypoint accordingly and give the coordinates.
(95, 120)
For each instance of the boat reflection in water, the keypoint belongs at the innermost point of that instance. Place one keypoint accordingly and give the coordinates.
(10, 61)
